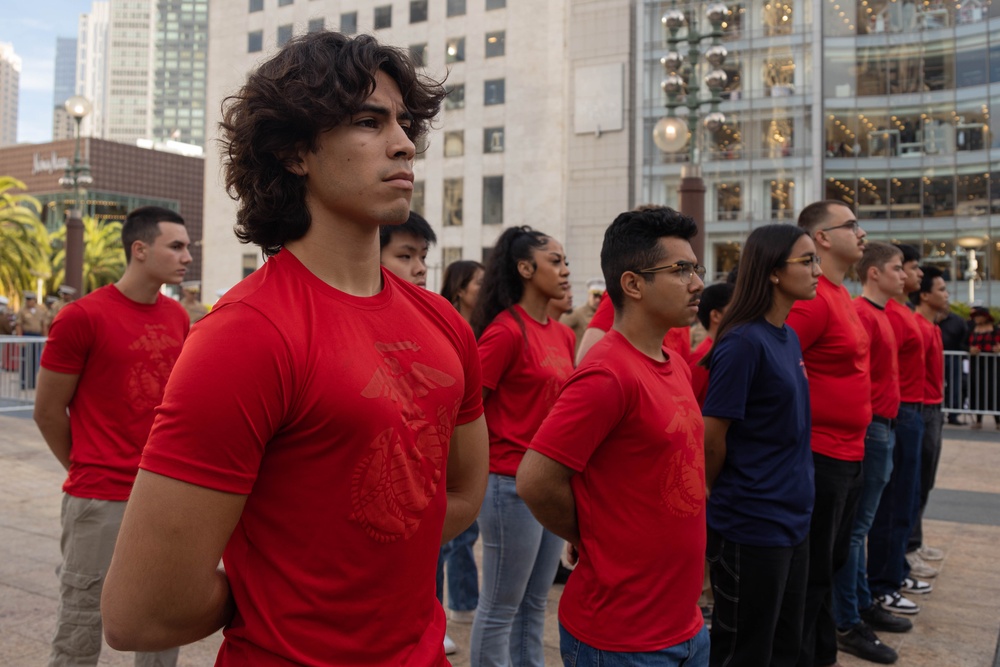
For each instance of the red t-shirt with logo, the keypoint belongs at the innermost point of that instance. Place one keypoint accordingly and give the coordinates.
(882, 355)
(699, 374)
(910, 343)
(677, 339)
(933, 360)
(123, 352)
(835, 349)
(333, 414)
(631, 428)
(524, 370)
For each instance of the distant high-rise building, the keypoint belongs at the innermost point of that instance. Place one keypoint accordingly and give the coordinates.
(64, 88)
(143, 65)
(10, 78)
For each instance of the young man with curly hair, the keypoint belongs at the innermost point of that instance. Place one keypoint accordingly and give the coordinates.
(322, 432)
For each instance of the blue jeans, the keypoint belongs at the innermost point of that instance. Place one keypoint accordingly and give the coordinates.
(850, 582)
(930, 455)
(519, 564)
(893, 522)
(463, 575)
(692, 653)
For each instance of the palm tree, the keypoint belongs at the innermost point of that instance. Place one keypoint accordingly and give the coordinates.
(103, 255)
(24, 243)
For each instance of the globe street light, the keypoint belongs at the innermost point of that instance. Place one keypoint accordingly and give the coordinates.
(76, 178)
(671, 134)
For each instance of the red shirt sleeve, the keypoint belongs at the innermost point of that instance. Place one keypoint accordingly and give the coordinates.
(499, 346)
(69, 341)
(809, 319)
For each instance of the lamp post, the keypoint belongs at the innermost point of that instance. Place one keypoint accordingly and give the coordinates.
(971, 244)
(77, 175)
(671, 133)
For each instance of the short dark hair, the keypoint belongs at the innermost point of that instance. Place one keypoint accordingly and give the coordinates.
(714, 297)
(141, 225)
(878, 255)
(815, 214)
(631, 243)
(910, 253)
(457, 277)
(313, 84)
(926, 283)
(415, 224)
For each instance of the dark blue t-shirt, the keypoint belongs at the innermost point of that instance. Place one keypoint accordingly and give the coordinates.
(764, 493)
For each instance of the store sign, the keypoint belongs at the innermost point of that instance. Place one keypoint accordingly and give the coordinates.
(49, 163)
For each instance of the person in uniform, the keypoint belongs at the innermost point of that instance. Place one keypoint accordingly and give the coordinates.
(6, 317)
(29, 322)
(580, 317)
(190, 289)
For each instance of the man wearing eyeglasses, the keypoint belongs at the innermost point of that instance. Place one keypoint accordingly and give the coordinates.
(617, 468)
(835, 349)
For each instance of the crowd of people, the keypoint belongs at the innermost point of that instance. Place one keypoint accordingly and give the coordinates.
(332, 429)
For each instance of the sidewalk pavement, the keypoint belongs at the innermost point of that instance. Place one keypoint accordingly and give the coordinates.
(958, 627)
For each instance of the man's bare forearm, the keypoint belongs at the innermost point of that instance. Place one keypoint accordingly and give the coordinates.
(544, 485)
(462, 511)
(54, 427)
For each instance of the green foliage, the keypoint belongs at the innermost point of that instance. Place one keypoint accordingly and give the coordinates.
(103, 254)
(24, 243)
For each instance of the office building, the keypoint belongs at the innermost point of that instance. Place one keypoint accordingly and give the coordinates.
(64, 88)
(10, 81)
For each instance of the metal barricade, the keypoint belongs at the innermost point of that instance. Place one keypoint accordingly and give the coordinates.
(20, 357)
(970, 383)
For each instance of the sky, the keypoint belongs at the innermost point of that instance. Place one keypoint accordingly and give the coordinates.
(32, 27)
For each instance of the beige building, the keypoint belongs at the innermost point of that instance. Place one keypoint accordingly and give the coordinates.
(534, 130)
(10, 77)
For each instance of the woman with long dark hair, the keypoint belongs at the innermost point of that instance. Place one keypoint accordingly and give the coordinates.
(526, 357)
(758, 463)
(460, 285)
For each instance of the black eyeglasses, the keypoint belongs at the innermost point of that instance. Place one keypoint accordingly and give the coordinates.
(806, 260)
(852, 225)
(686, 270)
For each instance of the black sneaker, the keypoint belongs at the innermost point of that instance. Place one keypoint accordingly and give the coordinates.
(862, 642)
(880, 619)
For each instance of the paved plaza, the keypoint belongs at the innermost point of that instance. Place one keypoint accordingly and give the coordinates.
(958, 627)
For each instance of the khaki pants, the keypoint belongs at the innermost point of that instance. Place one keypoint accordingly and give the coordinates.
(89, 530)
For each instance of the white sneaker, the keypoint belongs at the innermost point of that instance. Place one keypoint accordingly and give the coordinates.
(918, 568)
(930, 553)
(911, 585)
(896, 603)
(449, 645)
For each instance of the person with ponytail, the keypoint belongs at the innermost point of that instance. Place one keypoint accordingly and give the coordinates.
(758, 463)
(526, 357)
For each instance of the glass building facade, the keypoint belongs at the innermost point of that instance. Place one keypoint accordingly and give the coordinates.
(882, 104)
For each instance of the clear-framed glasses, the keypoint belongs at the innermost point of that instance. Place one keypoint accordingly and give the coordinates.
(806, 260)
(686, 270)
(853, 226)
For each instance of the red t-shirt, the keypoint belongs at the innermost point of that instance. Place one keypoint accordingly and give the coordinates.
(333, 414)
(123, 352)
(910, 343)
(835, 349)
(933, 360)
(677, 340)
(631, 428)
(699, 374)
(525, 377)
(882, 356)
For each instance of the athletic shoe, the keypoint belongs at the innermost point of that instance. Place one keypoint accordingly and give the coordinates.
(918, 568)
(897, 604)
(465, 616)
(880, 619)
(911, 585)
(930, 553)
(449, 645)
(862, 642)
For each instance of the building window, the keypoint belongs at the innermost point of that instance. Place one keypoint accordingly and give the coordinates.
(493, 92)
(454, 143)
(249, 263)
(284, 3)
(284, 34)
(255, 41)
(349, 23)
(728, 200)
(493, 140)
(256, 6)
(495, 4)
(417, 200)
(494, 44)
(493, 200)
(456, 8)
(450, 255)
(418, 11)
(418, 54)
(455, 98)
(487, 253)
(316, 25)
(453, 202)
(383, 17)
(780, 192)
(455, 50)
